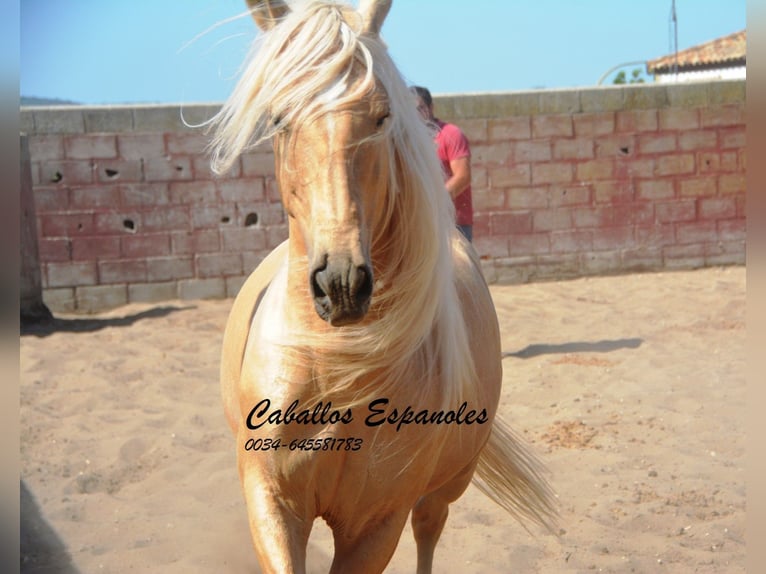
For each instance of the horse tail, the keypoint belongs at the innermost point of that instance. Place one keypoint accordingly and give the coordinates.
(513, 478)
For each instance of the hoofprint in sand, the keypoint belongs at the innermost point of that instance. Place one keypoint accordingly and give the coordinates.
(631, 389)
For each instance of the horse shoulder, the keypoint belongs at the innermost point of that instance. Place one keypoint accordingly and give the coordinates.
(238, 328)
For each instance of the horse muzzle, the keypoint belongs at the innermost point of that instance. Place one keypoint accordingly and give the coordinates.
(341, 290)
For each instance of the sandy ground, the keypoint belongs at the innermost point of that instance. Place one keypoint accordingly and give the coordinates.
(631, 389)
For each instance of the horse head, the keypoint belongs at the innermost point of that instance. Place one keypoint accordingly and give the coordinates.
(332, 162)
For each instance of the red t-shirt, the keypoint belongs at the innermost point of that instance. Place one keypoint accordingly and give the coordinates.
(452, 144)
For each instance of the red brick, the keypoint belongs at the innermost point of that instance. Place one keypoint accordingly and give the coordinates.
(66, 224)
(578, 148)
(169, 268)
(732, 183)
(595, 124)
(532, 151)
(241, 190)
(679, 119)
(116, 222)
(570, 195)
(95, 247)
(138, 146)
(633, 213)
(143, 194)
(258, 164)
(571, 241)
(277, 234)
(732, 138)
(480, 224)
(507, 222)
(613, 192)
(621, 237)
(723, 116)
(146, 245)
(71, 274)
(529, 244)
(51, 199)
(190, 192)
(558, 125)
(166, 219)
(672, 211)
(186, 143)
(710, 162)
(271, 214)
(594, 170)
(656, 189)
(634, 121)
(519, 174)
(213, 216)
(513, 128)
(642, 258)
(218, 265)
(698, 186)
(702, 232)
(593, 217)
(528, 197)
(199, 241)
(474, 129)
(122, 271)
(488, 199)
(658, 235)
(698, 139)
(54, 250)
(109, 171)
(90, 146)
(657, 143)
(621, 146)
(552, 219)
(46, 147)
(717, 208)
(491, 246)
(490, 155)
(552, 173)
(634, 168)
(167, 169)
(240, 239)
(94, 197)
(732, 230)
(66, 172)
(678, 164)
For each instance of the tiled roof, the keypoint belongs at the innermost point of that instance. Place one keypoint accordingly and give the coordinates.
(725, 52)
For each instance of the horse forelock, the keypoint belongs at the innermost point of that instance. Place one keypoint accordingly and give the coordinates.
(303, 67)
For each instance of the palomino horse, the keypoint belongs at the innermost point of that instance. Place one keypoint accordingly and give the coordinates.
(361, 366)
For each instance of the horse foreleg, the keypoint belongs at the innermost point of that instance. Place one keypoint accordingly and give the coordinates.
(370, 551)
(279, 535)
(429, 516)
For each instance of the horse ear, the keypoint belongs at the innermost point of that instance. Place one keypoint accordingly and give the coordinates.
(267, 13)
(373, 13)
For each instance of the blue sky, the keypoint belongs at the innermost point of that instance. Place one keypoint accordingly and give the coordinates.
(130, 51)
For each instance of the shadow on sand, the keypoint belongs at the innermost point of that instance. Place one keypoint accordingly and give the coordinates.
(604, 346)
(88, 324)
(41, 549)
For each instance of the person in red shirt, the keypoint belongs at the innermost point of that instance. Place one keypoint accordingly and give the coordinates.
(455, 156)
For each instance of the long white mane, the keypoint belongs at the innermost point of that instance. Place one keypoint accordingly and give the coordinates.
(415, 317)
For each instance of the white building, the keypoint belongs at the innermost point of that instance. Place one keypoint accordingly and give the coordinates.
(720, 59)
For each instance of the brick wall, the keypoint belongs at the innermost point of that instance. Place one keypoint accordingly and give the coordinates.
(566, 183)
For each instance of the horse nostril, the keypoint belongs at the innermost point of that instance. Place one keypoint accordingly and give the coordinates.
(361, 287)
(318, 289)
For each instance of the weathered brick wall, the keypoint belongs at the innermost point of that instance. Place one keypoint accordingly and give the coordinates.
(566, 183)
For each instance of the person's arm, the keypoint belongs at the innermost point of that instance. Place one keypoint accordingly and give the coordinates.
(461, 176)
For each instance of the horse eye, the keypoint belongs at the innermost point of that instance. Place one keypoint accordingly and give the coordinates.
(382, 119)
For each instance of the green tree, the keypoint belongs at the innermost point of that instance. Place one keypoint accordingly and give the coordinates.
(635, 77)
